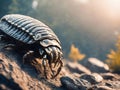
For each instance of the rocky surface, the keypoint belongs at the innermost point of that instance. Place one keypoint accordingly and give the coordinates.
(77, 68)
(22, 77)
(15, 75)
(93, 78)
(102, 79)
(95, 65)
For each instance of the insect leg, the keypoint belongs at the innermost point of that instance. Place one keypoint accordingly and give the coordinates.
(28, 56)
(9, 46)
(44, 65)
(59, 69)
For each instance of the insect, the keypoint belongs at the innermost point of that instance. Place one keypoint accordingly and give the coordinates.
(33, 37)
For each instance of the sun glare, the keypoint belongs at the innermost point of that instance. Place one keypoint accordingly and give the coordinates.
(82, 1)
(113, 7)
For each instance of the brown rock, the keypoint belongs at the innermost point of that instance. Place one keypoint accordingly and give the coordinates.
(113, 84)
(102, 88)
(96, 65)
(92, 78)
(107, 76)
(77, 68)
(14, 75)
(70, 83)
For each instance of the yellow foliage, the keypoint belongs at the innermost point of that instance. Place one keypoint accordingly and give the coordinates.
(114, 57)
(75, 54)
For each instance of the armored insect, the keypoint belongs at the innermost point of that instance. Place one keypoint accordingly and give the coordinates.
(33, 37)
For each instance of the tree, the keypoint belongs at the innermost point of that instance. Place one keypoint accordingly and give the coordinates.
(114, 57)
(75, 54)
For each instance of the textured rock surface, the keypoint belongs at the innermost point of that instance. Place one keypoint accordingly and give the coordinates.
(77, 68)
(102, 88)
(75, 83)
(14, 75)
(92, 78)
(108, 76)
(78, 83)
(103, 80)
(96, 65)
(17, 77)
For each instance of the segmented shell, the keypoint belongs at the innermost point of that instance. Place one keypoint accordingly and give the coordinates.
(26, 29)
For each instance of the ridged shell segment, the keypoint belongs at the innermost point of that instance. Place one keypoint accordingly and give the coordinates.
(26, 29)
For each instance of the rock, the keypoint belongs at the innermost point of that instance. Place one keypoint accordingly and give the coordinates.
(107, 76)
(88, 82)
(96, 65)
(77, 68)
(14, 75)
(65, 71)
(92, 78)
(75, 83)
(102, 88)
(68, 83)
(113, 84)
(15, 78)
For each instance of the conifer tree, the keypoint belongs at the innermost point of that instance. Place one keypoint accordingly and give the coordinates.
(114, 57)
(75, 54)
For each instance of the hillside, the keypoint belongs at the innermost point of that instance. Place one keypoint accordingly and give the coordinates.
(90, 75)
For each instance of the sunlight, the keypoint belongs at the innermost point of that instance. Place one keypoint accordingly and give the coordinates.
(114, 4)
(116, 33)
(82, 1)
(34, 4)
(113, 7)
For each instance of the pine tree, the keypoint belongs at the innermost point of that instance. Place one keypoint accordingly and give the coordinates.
(114, 57)
(75, 54)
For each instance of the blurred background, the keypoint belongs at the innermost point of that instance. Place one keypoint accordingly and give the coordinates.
(91, 25)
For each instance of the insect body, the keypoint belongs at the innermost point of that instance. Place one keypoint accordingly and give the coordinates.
(33, 36)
